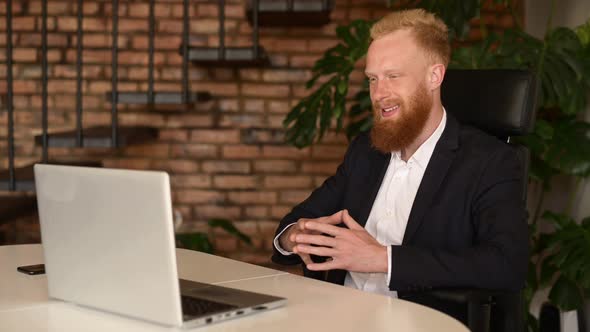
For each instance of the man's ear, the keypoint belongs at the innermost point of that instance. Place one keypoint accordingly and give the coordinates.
(436, 75)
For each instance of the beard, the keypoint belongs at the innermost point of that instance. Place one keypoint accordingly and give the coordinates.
(388, 135)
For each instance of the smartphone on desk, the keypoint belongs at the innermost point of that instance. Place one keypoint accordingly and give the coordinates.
(32, 269)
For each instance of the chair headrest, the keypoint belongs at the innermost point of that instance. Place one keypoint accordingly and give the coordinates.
(501, 102)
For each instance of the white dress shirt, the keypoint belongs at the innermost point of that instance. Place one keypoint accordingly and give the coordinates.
(390, 212)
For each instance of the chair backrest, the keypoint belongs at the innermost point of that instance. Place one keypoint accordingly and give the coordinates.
(501, 102)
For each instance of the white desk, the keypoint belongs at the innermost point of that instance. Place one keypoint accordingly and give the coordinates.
(312, 305)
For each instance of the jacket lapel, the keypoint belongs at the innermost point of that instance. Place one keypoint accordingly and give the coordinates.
(437, 168)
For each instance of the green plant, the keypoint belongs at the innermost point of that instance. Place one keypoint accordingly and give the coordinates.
(201, 241)
(559, 145)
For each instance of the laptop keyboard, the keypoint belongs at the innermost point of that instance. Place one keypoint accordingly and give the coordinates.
(192, 306)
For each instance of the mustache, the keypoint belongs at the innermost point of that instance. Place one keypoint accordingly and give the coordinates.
(389, 102)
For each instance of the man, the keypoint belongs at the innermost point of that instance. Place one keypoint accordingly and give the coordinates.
(421, 203)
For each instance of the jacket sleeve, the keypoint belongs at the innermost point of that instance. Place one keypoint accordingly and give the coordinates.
(323, 201)
(498, 258)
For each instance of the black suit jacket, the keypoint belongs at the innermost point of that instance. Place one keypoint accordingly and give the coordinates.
(467, 227)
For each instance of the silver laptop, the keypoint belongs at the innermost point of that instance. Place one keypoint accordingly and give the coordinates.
(108, 241)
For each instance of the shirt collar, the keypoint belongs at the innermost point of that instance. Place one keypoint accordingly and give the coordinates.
(424, 152)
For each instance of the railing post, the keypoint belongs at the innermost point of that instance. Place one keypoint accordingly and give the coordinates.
(114, 78)
(10, 96)
(221, 29)
(79, 63)
(185, 47)
(44, 81)
(151, 36)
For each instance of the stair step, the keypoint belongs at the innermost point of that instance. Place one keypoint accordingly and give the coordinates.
(232, 57)
(100, 137)
(160, 98)
(25, 179)
(12, 207)
(304, 13)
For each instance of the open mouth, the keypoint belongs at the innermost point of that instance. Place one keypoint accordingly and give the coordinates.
(389, 111)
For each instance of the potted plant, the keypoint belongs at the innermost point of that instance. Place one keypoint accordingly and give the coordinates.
(559, 145)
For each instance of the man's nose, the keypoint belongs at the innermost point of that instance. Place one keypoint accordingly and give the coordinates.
(380, 90)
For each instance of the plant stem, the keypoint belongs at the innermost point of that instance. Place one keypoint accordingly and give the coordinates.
(545, 44)
(539, 204)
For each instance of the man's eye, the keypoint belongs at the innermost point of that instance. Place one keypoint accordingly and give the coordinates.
(372, 80)
(391, 76)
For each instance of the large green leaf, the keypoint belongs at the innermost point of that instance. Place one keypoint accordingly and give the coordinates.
(566, 295)
(309, 120)
(195, 241)
(568, 249)
(569, 149)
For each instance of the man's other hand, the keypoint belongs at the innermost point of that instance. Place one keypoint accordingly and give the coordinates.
(352, 249)
(287, 239)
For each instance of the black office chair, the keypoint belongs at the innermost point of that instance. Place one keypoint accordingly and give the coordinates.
(502, 103)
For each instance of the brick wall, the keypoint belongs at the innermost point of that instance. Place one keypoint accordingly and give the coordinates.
(226, 157)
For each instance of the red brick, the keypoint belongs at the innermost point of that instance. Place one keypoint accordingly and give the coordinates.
(275, 166)
(190, 121)
(133, 25)
(176, 166)
(328, 151)
(241, 152)
(191, 181)
(25, 54)
(216, 211)
(285, 152)
(53, 8)
(254, 105)
(194, 151)
(149, 150)
(222, 166)
(282, 75)
(250, 74)
(321, 45)
(53, 40)
(55, 86)
(265, 90)
(241, 120)
(294, 196)
(135, 163)
(198, 196)
(215, 136)
(284, 45)
(252, 197)
(287, 182)
(174, 135)
(279, 211)
(303, 61)
(256, 211)
(327, 168)
(235, 182)
(23, 23)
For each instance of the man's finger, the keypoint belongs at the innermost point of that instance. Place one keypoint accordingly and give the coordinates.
(328, 265)
(350, 222)
(323, 228)
(318, 251)
(319, 240)
(304, 257)
(333, 219)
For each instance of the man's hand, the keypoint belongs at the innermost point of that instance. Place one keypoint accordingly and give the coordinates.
(352, 249)
(287, 239)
